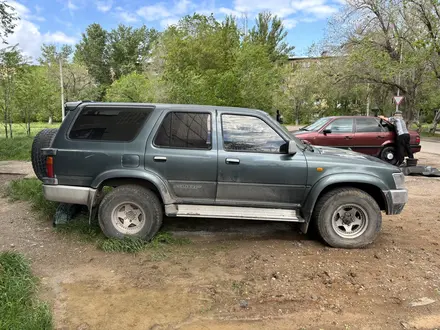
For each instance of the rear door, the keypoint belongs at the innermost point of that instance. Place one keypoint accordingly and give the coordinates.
(370, 136)
(183, 151)
(340, 134)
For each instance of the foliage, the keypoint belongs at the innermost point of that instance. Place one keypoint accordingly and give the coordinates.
(19, 305)
(269, 31)
(18, 148)
(8, 17)
(133, 87)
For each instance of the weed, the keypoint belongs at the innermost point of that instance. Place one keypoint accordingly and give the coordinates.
(81, 229)
(19, 307)
(31, 190)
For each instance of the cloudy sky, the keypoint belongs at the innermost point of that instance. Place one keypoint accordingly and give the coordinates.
(62, 21)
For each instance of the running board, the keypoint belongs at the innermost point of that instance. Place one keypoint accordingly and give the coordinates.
(235, 212)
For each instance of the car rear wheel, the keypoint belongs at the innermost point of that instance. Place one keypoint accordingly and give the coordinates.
(388, 154)
(130, 211)
(347, 218)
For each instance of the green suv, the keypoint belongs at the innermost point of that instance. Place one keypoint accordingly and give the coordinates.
(209, 162)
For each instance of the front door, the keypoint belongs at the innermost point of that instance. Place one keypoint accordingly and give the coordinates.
(253, 169)
(338, 133)
(184, 153)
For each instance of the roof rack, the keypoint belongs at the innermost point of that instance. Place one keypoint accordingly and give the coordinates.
(70, 106)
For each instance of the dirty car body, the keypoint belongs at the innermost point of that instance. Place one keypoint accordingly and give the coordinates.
(213, 162)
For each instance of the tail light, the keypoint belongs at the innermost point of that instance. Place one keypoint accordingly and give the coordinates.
(49, 166)
(417, 139)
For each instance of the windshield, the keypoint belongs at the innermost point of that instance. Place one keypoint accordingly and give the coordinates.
(317, 125)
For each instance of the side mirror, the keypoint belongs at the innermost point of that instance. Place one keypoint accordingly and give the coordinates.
(292, 148)
(327, 131)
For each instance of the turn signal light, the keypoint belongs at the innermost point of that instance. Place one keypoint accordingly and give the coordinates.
(49, 167)
(418, 139)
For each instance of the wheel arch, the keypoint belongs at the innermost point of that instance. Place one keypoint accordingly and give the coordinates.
(145, 179)
(367, 183)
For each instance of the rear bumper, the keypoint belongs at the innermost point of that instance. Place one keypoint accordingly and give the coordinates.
(69, 194)
(396, 200)
(416, 148)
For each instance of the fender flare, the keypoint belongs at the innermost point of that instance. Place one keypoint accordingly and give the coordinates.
(337, 179)
(141, 174)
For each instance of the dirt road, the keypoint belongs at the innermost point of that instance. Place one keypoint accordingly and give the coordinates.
(431, 147)
(242, 275)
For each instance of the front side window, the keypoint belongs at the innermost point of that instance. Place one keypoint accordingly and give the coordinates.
(109, 124)
(342, 125)
(249, 134)
(188, 130)
(365, 125)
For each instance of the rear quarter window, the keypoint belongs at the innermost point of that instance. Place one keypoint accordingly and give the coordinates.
(120, 124)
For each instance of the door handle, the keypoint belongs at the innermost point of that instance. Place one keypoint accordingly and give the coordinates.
(160, 159)
(380, 137)
(348, 137)
(232, 161)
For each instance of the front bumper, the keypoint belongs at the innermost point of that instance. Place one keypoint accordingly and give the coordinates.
(69, 194)
(396, 200)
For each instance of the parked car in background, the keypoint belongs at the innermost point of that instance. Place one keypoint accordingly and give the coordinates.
(368, 135)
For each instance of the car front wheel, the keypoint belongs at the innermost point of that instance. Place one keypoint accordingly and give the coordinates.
(347, 218)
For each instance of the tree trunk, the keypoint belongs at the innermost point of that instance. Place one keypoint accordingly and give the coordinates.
(6, 130)
(50, 120)
(436, 120)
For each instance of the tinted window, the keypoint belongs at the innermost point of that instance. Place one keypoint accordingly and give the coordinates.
(364, 125)
(251, 134)
(386, 126)
(190, 130)
(109, 124)
(342, 125)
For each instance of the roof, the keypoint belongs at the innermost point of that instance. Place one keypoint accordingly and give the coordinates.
(69, 106)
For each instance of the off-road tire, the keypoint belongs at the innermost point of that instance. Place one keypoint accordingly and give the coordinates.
(385, 151)
(325, 211)
(148, 202)
(43, 139)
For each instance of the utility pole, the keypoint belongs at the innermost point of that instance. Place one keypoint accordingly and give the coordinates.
(368, 99)
(399, 77)
(62, 87)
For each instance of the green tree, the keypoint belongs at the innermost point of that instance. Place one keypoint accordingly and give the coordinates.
(8, 17)
(129, 49)
(269, 31)
(11, 61)
(92, 51)
(133, 87)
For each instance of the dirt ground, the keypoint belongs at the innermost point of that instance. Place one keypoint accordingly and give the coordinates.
(242, 275)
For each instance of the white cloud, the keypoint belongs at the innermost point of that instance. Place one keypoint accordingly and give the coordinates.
(154, 12)
(127, 17)
(290, 23)
(71, 5)
(28, 35)
(104, 6)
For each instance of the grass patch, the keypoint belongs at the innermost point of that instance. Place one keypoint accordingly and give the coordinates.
(16, 149)
(430, 135)
(19, 147)
(133, 245)
(19, 307)
(31, 190)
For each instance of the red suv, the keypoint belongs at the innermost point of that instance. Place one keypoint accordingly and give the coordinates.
(368, 135)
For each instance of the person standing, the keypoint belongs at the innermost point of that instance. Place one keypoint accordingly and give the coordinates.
(279, 117)
(402, 137)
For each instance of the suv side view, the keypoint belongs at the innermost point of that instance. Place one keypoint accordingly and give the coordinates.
(210, 162)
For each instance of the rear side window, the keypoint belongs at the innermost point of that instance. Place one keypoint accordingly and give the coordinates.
(365, 125)
(109, 124)
(342, 125)
(189, 130)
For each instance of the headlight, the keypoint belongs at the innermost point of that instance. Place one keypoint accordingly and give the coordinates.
(399, 180)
